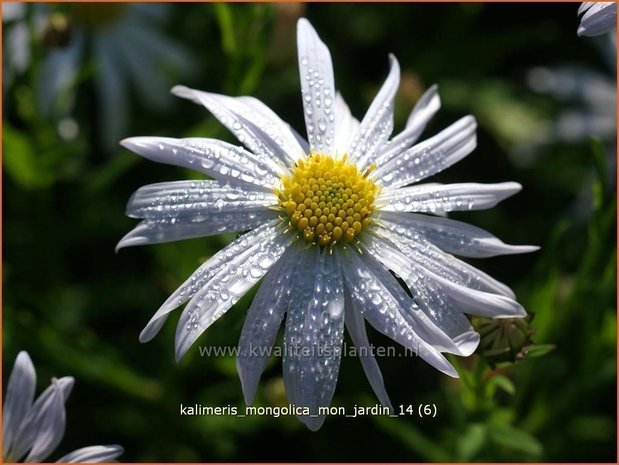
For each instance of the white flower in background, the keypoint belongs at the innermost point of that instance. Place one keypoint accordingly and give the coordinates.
(127, 49)
(589, 97)
(32, 429)
(597, 18)
(328, 220)
(16, 56)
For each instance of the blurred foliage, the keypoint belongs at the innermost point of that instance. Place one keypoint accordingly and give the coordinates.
(78, 308)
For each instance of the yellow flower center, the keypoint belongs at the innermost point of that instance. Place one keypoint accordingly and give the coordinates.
(327, 200)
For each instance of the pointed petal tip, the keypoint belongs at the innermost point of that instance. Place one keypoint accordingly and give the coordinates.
(525, 248)
(394, 64)
(127, 143)
(450, 371)
(180, 91)
(304, 23)
(129, 241)
(145, 336)
(313, 423)
(249, 392)
(467, 342)
(469, 120)
(67, 381)
(518, 312)
(498, 247)
(23, 358)
(137, 144)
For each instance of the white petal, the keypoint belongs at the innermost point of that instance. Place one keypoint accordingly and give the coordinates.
(317, 88)
(414, 311)
(18, 398)
(185, 209)
(346, 126)
(451, 321)
(383, 309)
(292, 142)
(435, 260)
(227, 258)
(426, 107)
(195, 198)
(174, 229)
(92, 454)
(222, 161)
(112, 88)
(433, 198)
(314, 335)
(43, 425)
(264, 318)
(436, 294)
(229, 283)
(355, 324)
(142, 66)
(377, 123)
(450, 235)
(47, 423)
(430, 156)
(59, 68)
(253, 123)
(600, 18)
(584, 6)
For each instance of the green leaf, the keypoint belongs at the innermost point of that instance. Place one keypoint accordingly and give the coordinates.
(504, 383)
(471, 442)
(537, 350)
(600, 186)
(20, 161)
(224, 18)
(413, 438)
(516, 440)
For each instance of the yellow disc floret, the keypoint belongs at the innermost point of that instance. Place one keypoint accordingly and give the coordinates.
(327, 200)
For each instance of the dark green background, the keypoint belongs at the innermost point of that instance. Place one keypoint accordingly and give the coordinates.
(77, 307)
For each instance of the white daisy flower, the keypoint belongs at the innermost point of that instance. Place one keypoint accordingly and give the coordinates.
(327, 219)
(127, 45)
(597, 18)
(32, 429)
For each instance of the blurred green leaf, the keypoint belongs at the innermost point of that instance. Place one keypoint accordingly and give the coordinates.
(514, 439)
(502, 382)
(537, 350)
(471, 442)
(20, 160)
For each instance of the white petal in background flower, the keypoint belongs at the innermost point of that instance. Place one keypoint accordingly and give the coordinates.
(35, 428)
(92, 454)
(17, 399)
(326, 267)
(597, 18)
(129, 52)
